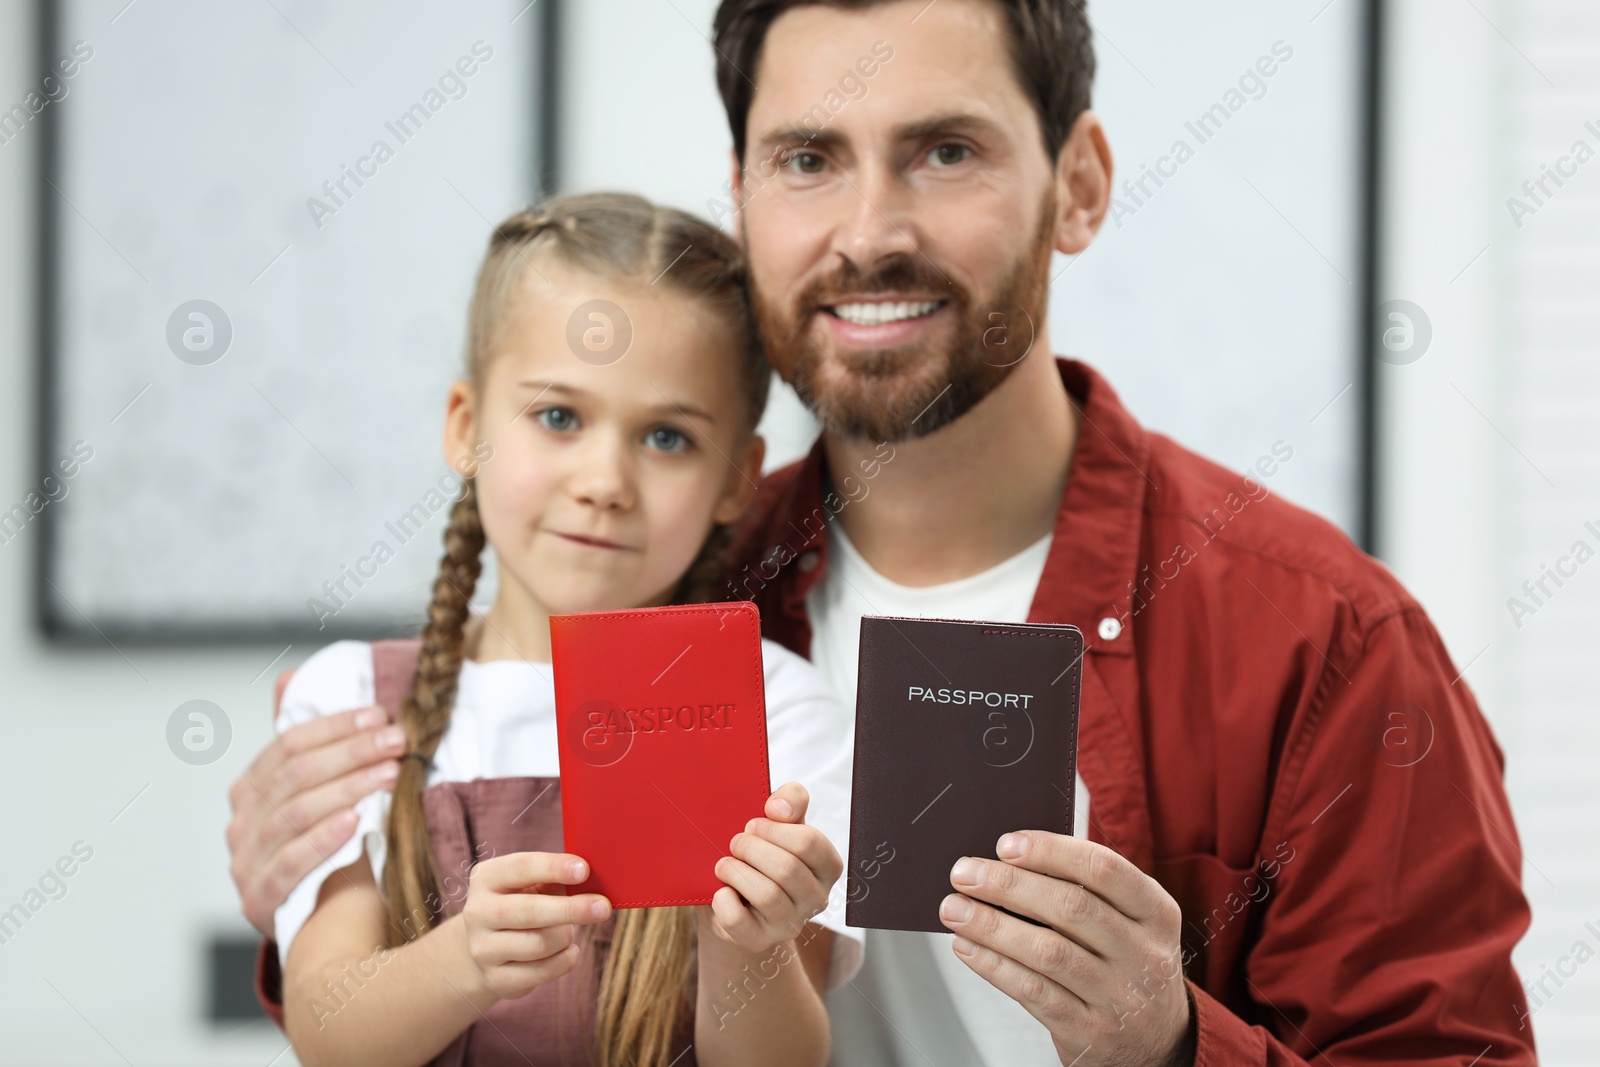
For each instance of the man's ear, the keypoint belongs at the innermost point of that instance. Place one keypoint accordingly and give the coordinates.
(460, 439)
(736, 185)
(741, 488)
(1083, 184)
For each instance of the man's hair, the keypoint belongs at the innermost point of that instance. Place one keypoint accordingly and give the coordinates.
(1051, 45)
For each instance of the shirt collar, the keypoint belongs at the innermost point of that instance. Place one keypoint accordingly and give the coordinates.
(1088, 579)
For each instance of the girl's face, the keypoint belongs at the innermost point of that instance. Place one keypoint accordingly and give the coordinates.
(598, 482)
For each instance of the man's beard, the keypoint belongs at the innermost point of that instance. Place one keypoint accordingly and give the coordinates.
(897, 394)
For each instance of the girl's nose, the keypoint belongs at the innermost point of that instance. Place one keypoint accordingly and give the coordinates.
(603, 477)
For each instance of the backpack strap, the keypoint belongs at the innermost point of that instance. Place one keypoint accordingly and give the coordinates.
(394, 666)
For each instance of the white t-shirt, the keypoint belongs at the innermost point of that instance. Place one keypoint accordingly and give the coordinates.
(503, 725)
(899, 1012)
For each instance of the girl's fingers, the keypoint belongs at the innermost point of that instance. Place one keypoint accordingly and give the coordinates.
(788, 803)
(771, 904)
(808, 843)
(735, 920)
(495, 948)
(523, 870)
(520, 979)
(533, 911)
(788, 871)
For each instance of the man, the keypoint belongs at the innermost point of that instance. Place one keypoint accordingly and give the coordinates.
(1299, 848)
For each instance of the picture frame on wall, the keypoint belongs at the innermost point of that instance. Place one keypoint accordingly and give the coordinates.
(259, 230)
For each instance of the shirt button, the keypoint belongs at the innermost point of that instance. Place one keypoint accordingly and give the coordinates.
(808, 560)
(1110, 628)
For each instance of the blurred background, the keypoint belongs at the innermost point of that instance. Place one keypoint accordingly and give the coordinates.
(227, 319)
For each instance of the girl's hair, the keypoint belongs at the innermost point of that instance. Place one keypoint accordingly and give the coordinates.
(644, 987)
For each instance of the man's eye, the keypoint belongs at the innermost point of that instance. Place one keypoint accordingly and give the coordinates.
(804, 162)
(950, 154)
(558, 419)
(666, 439)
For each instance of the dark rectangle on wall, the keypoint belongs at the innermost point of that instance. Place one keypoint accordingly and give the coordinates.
(230, 980)
(249, 313)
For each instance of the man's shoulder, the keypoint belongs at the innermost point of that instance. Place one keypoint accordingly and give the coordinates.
(1225, 527)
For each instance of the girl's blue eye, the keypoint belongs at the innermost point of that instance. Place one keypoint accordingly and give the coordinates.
(666, 439)
(557, 419)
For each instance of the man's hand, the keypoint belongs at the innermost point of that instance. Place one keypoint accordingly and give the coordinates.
(1105, 974)
(295, 804)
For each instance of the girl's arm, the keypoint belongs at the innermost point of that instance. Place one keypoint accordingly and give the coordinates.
(762, 965)
(350, 999)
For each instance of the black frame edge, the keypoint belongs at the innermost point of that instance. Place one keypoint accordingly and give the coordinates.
(1370, 208)
(46, 222)
(547, 168)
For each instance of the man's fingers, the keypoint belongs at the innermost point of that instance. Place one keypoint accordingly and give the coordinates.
(323, 730)
(1096, 867)
(273, 824)
(1038, 948)
(304, 810)
(285, 867)
(1067, 906)
(525, 870)
(788, 803)
(1055, 1007)
(305, 768)
(291, 807)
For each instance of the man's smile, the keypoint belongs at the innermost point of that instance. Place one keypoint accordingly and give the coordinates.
(880, 323)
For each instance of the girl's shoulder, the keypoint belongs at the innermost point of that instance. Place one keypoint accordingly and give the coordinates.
(334, 678)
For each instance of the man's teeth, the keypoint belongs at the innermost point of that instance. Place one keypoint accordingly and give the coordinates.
(880, 313)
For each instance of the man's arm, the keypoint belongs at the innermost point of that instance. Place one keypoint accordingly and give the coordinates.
(294, 806)
(1388, 930)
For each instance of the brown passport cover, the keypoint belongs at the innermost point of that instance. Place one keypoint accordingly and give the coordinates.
(964, 731)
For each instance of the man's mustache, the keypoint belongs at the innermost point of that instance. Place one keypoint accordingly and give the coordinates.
(899, 275)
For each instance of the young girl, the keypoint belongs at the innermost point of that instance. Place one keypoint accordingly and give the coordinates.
(605, 433)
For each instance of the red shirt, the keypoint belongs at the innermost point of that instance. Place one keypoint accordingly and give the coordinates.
(1272, 729)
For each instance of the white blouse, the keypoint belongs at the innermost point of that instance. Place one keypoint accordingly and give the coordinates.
(503, 725)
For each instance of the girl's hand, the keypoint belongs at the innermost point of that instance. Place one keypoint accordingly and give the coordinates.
(778, 877)
(520, 927)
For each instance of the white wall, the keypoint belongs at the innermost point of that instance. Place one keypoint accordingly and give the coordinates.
(1492, 466)
(112, 969)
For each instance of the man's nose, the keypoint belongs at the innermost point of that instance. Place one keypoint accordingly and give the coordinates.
(876, 217)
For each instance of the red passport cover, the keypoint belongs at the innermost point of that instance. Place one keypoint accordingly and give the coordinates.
(662, 726)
